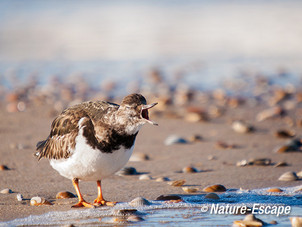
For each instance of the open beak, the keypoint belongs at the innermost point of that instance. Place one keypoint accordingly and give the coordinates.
(145, 114)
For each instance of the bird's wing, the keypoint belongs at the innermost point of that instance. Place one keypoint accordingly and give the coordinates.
(64, 130)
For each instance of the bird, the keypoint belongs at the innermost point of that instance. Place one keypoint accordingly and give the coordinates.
(92, 140)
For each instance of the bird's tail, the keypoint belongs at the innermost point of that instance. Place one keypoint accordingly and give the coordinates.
(40, 147)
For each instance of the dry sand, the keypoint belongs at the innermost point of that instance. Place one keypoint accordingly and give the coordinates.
(19, 133)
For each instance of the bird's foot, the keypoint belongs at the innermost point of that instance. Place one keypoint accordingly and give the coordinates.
(83, 204)
(102, 202)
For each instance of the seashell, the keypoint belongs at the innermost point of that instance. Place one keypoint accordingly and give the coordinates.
(127, 171)
(6, 191)
(195, 138)
(134, 218)
(177, 183)
(38, 201)
(124, 212)
(162, 179)
(296, 221)
(288, 176)
(280, 164)
(252, 218)
(189, 189)
(224, 145)
(174, 139)
(139, 157)
(65, 195)
(139, 201)
(283, 149)
(242, 163)
(19, 197)
(212, 196)
(260, 162)
(274, 190)
(168, 197)
(212, 157)
(285, 134)
(242, 127)
(214, 188)
(299, 174)
(299, 189)
(3, 167)
(270, 113)
(189, 169)
(145, 177)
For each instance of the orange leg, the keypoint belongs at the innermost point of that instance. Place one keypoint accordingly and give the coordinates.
(99, 201)
(82, 202)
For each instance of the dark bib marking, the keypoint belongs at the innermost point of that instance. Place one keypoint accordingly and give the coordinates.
(112, 142)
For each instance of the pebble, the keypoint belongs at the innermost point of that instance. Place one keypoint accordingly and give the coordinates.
(195, 138)
(139, 157)
(284, 134)
(127, 171)
(212, 196)
(249, 220)
(214, 188)
(296, 221)
(177, 183)
(189, 189)
(260, 162)
(3, 167)
(242, 127)
(224, 145)
(139, 201)
(274, 190)
(6, 191)
(162, 179)
(64, 195)
(19, 197)
(189, 169)
(38, 201)
(124, 212)
(212, 157)
(280, 164)
(134, 218)
(168, 197)
(288, 176)
(299, 174)
(270, 113)
(145, 177)
(242, 163)
(174, 139)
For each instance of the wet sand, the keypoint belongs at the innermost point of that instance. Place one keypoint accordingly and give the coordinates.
(21, 131)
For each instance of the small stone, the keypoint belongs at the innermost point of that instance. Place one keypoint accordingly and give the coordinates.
(270, 113)
(139, 157)
(127, 171)
(124, 212)
(224, 145)
(280, 164)
(145, 177)
(3, 167)
(212, 196)
(64, 195)
(288, 176)
(283, 149)
(162, 179)
(19, 197)
(260, 162)
(195, 138)
(189, 189)
(38, 201)
(189, 169)
(274, 190)
(284, 134)
(252, 217)
(299, 174)
(177, 183)
(249, 220)
(214, 188)
(139, 201)
(273, 222)
(134, 218)
(212, 157)
(174, 139)
(242, 127)
(168, 197)
(242, 163)
(6, 191)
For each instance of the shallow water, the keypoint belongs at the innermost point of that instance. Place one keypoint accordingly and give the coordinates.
(195, 210)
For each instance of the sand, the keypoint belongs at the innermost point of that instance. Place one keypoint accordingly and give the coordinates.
(20, 131)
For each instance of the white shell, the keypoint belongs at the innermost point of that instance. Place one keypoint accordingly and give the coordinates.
(19, 197)
(241, 127)
(145, 177)
(139, 201)
(6, 191)
(174, 139)
(288, 176)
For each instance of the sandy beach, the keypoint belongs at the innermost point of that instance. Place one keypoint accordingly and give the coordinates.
(216, 164)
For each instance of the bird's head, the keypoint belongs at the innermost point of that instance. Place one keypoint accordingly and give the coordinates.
(134, 110)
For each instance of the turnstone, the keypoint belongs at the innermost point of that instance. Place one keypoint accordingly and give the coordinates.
(93, 140)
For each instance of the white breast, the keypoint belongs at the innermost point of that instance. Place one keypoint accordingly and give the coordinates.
(90, 164)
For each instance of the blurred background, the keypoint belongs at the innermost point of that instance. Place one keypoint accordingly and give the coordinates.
(118, 44)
